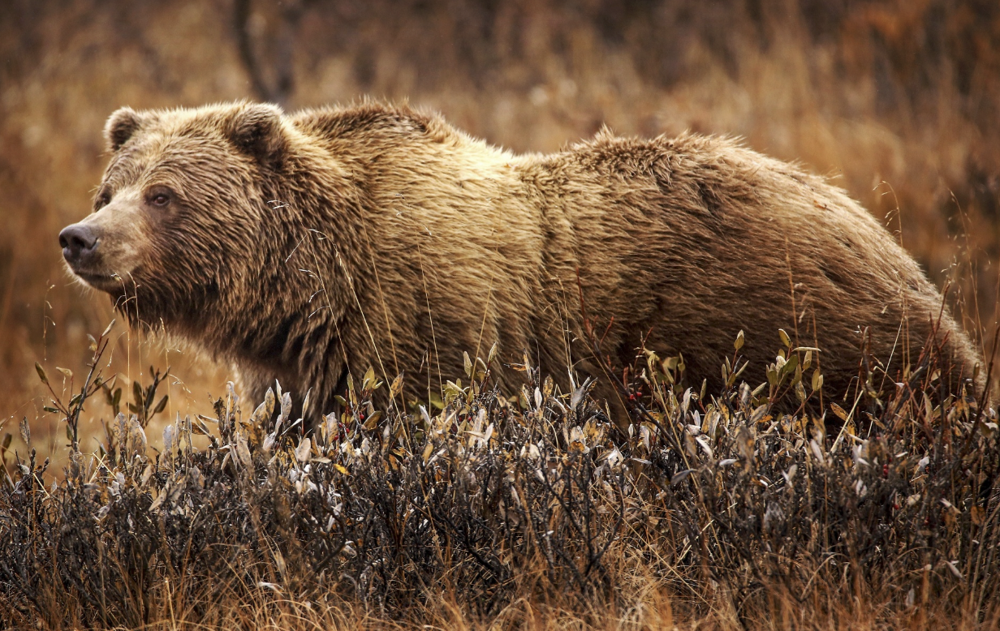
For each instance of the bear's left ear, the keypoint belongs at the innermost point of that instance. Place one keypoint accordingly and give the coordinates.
(257, 131)
(121, 126)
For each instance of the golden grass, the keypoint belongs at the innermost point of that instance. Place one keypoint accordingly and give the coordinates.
(895, 100)
(523, 512)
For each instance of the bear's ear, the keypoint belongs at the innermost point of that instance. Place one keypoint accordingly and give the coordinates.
(257, 131)
(121, 126)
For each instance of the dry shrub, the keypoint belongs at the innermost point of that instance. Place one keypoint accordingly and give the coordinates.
(555, 519)
(894, 99)
(529, 510)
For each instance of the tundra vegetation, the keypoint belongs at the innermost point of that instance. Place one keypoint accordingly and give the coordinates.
(714, 512)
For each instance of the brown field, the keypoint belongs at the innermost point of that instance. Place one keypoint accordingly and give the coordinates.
(895, 100)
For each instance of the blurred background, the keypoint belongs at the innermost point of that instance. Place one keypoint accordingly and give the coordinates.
(896, 100)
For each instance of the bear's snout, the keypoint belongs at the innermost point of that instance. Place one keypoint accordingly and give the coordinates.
(78, 241)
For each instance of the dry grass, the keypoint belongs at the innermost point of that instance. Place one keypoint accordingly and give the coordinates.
(529, 511)
(894, 99)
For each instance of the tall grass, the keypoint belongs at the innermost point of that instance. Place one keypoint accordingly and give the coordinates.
(716, 510)
(893, 99)
(535, 510)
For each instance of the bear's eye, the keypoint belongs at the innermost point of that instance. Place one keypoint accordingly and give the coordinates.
(159, 198)
(102, 200)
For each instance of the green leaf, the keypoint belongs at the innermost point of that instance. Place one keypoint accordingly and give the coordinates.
(772, 376)
(739, 340)
(435, 400)
(790, 365)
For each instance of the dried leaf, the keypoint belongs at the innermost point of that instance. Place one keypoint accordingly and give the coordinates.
(243, 452)
(784, 338)
(302, 452)
(817, 380)
(264, 410)
(372, 421)
(137, 394)
(838, 411)
(306, 402)
(680, 476)
(41, 373)
(169, 438)
(200, 428)
(396, 387)
(286, 407)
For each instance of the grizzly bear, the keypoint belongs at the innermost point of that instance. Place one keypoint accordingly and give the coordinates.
(305, 247)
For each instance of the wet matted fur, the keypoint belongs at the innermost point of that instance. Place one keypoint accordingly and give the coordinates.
(300, 247)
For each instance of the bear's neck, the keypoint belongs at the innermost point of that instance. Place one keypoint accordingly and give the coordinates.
(299, 290)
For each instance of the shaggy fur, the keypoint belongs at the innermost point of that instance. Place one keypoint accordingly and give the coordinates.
(303, 246)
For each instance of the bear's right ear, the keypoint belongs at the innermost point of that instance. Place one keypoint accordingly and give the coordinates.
(256, 130)
(121, 126)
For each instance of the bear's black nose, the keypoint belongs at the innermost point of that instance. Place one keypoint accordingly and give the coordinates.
(78, 241)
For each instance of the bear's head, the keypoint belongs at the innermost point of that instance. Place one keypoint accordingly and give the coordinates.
(181, 211)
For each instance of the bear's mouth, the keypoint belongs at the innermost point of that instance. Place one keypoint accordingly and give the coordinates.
(101, 280)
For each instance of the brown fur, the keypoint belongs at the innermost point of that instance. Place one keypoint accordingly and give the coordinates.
(299, 247)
